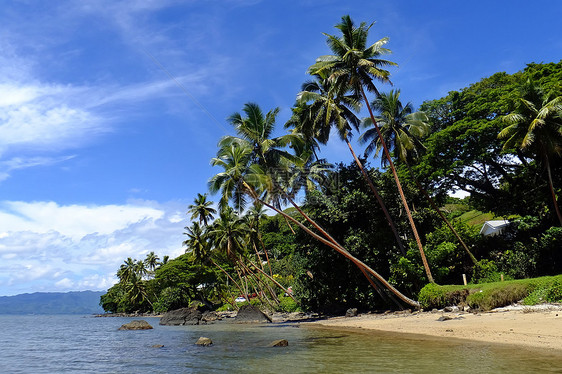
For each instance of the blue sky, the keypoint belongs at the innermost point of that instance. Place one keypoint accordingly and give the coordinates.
(101, 151)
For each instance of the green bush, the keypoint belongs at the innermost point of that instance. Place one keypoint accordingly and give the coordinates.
(485, 271)
(549, 290)
(432, 296)
(287, 304)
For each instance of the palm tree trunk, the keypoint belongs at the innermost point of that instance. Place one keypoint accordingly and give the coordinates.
(258, 280)
(434, 206)
(400, 191)
(552, 192)
(274, 281)
(252, 280)
(379, 199)
(338, 249)
(229, 277)
(265, 251)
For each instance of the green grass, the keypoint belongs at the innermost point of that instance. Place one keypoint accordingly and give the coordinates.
(476, 217)
(487, 296)
(465, 214)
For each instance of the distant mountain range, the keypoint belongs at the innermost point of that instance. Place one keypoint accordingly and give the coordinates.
(84, 302)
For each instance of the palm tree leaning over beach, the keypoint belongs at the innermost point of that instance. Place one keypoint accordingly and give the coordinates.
(354, 66)
(402, 129)
(242, 173)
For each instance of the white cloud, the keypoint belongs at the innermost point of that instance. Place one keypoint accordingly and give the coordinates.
(74, 221)
(49, 247)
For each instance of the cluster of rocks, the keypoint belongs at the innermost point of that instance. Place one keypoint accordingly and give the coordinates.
(198, 315)
(188, 316)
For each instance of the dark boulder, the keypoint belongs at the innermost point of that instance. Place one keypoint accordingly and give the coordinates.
(251, 314)
(136, 325)
(183, 316)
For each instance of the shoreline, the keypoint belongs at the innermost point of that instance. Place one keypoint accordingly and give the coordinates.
(530, 328)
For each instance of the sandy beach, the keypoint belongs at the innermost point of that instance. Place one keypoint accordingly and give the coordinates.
(526, 327)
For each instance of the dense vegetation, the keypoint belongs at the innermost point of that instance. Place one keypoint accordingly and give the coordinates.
(360, 236)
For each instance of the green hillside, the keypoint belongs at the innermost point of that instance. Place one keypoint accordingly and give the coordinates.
(85, 302)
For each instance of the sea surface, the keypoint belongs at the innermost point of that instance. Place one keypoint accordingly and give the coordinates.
(86, 344)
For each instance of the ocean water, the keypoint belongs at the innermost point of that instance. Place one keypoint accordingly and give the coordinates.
(85, 344)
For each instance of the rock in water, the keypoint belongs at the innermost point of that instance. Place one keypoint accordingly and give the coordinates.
(279, 343)
(136, 325)
(205, 342)
(183, 316)
(251, 314)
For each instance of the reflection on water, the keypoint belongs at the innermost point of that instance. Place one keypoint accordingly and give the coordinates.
(71, 344)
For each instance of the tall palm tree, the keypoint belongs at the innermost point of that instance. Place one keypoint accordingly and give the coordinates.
(535, 127)
(402, 129)
(329, 108)
(353, 67)
(241, 175)
(202, 209)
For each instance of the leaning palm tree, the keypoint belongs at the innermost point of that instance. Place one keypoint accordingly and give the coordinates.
(402, 129)
(240, 175)
(202, 209)
(353, 67)
(535, 127)
(329, 108)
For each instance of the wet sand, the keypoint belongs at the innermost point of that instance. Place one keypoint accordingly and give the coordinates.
(526, 327)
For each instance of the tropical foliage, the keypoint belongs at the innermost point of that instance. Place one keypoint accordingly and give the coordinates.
(291, 231)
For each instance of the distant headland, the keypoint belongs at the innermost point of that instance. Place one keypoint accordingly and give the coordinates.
(83, 302)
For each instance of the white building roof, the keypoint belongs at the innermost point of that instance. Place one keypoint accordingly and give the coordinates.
(493, 227)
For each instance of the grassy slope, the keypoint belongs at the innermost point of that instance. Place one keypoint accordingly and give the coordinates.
(487, 296)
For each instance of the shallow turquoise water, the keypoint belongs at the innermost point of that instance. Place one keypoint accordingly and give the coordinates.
(75, 344)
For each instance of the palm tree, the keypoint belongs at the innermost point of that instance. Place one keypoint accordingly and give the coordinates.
(136, 290)
(535, 127)
(127, 270)
(253, 217)
(151, 261)
(241, 176)
(353, 67)
(202, 209)
(140, 269)
(400, 126)
(402, 129)
(329, 109)
(196, 242)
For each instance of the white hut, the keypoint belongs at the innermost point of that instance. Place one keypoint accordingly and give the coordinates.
(495, 227)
